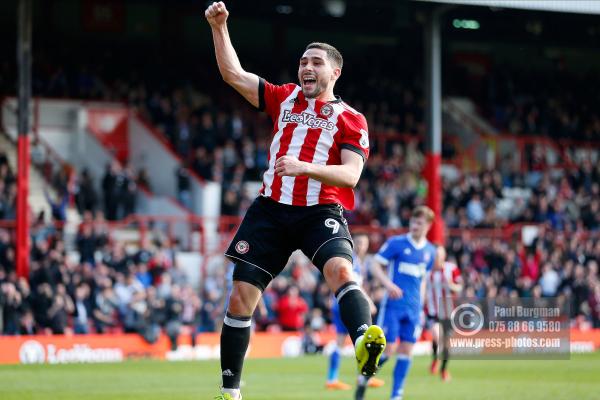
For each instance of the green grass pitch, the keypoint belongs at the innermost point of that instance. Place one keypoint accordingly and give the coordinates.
(301, 378)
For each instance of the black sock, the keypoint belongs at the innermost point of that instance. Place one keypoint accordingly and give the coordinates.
(354, 309)
(434, 347)
(445, 357)
(235, 337)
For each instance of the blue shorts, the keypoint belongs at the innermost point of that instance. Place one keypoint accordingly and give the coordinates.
(403, 323)
(340, 328)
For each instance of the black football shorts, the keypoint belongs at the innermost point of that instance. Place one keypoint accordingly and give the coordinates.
(271, 232)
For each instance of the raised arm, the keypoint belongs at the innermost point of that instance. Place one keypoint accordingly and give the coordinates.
(231, 70)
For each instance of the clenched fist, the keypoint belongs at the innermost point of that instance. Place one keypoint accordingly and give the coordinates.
(216, 14)
(289, 166)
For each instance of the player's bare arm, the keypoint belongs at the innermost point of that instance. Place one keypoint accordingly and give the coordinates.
(343, 175)
(393, 289)
(423, 290)
(245, 83)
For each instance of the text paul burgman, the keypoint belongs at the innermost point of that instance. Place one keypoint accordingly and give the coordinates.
(526, 312)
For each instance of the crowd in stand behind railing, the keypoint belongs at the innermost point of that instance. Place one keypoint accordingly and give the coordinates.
(567, 198)
(553, 265)
(108, 286)
(113, 195)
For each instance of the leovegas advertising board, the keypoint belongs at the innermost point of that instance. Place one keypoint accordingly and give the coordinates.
(59, 349)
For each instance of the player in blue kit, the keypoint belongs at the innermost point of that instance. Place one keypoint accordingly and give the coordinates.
(360, 269)
(407, 259)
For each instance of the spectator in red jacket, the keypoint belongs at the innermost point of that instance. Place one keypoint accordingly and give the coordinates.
(531, 267)
(291, 310)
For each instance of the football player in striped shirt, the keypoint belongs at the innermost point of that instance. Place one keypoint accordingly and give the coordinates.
(443, 283)
(318, 149)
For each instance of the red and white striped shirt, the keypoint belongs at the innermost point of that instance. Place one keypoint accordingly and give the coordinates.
(438, 301)
(313, 131)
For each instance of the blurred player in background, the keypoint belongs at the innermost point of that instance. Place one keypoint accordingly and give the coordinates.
(318, 150)
(407, 260)
(443, 283)
(361, 267)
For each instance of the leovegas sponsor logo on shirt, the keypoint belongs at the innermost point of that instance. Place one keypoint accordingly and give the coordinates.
(307, 119)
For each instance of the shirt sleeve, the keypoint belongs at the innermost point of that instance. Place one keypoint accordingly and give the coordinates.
(270, 96)
(355, 136)
(386, 253)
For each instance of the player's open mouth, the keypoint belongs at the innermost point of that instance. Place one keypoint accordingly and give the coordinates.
(309, 81)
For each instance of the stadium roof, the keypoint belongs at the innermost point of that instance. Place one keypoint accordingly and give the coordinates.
(572, 6)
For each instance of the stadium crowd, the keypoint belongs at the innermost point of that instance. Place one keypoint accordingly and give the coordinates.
(112, 287)
(114, 195)
(556, 104)
(105, 289)
(231, 147)
(220, 138)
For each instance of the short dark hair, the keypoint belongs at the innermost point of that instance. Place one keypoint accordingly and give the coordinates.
(332, 53)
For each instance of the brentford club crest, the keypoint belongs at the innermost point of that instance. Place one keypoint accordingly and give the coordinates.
(326, 110)
(242, 247)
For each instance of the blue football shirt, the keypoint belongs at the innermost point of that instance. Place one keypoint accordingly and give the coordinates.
(407, 263)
